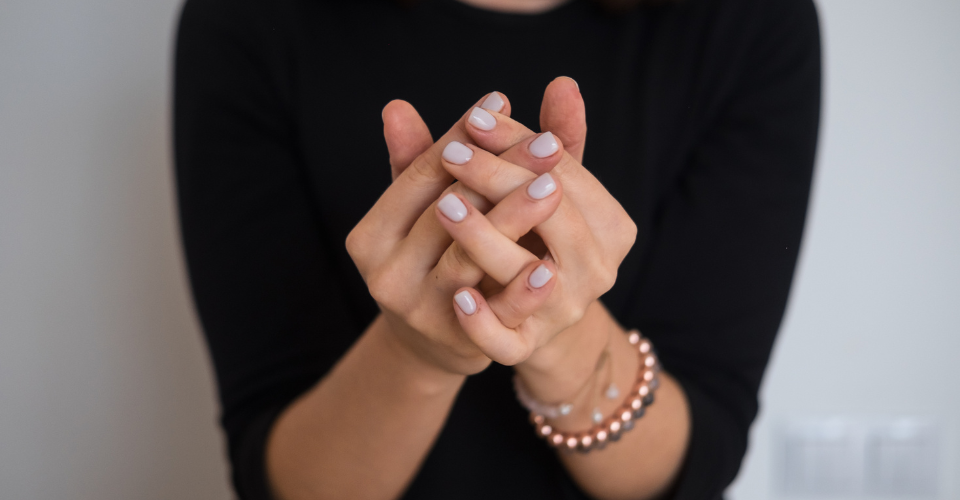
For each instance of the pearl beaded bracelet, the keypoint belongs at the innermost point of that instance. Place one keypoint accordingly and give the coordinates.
(622, 420)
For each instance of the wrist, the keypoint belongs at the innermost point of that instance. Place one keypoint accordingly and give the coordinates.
(557, 369)
(613, 377)
(427, 376)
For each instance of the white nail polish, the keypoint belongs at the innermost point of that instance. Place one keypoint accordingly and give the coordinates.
(465, 302)
(542, 187)
(540, 276)
(452, 207)
(457, 153)
(493, 102)
(481, 119)
(544, 146)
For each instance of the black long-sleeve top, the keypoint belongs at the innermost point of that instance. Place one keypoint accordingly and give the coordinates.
(702, 118)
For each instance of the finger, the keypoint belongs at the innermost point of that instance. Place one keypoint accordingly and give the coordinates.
(524, 295)
(428, 240)
(497, 102)
(495, 177)
(526, 207)
(388, 223)
(405, 133)
(494, 253)
(568, 236)
(514, 217)
(566, 233)
(569, 239)
(495, 131)
(418, 185)
(538, 154)
(504, 345)
(563, 113)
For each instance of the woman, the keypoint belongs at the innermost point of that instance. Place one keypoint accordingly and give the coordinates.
(686, 219)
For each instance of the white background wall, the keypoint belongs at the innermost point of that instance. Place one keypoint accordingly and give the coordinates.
(105, 387)
(873, 326)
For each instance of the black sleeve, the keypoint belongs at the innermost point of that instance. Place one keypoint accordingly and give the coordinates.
(258, 266)
(717, 268)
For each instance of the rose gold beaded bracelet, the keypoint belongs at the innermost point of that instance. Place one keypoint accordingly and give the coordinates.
(622, 420)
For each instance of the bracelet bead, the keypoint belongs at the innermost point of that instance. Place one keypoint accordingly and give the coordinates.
(611, 428)
(601, 436)
(556, 439)
(614, 428)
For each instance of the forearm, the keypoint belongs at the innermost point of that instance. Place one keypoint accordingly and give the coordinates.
(363, 431)
(646, 460)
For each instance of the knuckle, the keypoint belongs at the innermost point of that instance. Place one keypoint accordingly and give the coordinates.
(512, 311)
(379, 292)
(422, 172)
(487, 174)
(355, 244)
(494, 176)
(602, 276)
(608, 280)
(459, 264)
(498, 172)
(568, 169)
(631, 230)
(382, 286)
(507, 177)
(628, 234)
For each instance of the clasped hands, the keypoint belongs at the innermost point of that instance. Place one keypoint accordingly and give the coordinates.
(495, 265)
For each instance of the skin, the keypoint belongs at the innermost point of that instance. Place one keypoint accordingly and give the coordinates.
(564, 355)
(334, 441)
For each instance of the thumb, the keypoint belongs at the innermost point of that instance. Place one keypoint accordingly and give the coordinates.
(406, 134)
(563, 113)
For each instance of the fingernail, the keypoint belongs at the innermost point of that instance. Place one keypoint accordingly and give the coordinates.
(544, 146)
(493, 102)
(542, 187)
(452, 207)
(465, 302)
(457, 153)
(482, 120)
(540, 276)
